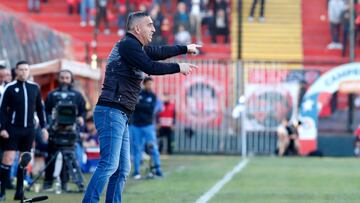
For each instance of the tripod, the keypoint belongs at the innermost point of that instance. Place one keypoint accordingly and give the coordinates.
(71, 165)
(151, 170)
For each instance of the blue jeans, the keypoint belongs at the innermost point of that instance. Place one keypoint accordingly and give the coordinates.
(139, 137)
(114, 164)
(85, 8)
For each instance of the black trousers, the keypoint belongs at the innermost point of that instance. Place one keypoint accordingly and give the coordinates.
(102, 15)
(167, 133)
(262, 2)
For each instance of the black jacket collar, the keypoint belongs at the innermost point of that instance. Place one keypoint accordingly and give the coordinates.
(128, 34)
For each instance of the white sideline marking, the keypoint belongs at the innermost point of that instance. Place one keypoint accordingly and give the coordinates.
(217, 187)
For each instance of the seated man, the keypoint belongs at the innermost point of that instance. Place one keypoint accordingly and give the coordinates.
(292, 148)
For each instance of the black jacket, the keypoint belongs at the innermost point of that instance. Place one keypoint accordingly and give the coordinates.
(144, 110)
(18, 104)
(124, 71)
(67, 96)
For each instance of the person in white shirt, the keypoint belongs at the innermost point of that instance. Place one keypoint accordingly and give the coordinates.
(183, 36)
(335, 9)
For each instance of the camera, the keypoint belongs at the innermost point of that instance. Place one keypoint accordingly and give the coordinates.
(63, 129)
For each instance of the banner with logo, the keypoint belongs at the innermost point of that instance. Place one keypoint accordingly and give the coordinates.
(268, 104)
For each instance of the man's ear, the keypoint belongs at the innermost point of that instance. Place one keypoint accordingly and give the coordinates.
(137, 29)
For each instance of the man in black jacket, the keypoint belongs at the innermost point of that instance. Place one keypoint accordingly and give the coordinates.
(64, 94)
(127, 62)
(21, 99)
(143, 131)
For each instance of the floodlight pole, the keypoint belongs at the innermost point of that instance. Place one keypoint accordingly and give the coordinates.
(243, 136)
(351, 59)
(242, 108)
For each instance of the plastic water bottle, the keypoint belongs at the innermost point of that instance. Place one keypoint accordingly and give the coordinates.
(58, 186)
(37, 187)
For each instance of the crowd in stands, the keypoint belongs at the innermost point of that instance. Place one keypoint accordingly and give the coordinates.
(174, 21)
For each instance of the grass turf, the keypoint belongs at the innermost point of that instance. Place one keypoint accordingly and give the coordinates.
(283, 180)
(263, 180)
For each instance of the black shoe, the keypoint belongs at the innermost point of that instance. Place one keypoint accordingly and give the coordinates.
(18, 197)
(10, 186)
(159, 174)
(81, 188)
(47, 188)
(65, 187)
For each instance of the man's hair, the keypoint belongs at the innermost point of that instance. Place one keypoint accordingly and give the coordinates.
(13, 74)
(147, 79)
(2, 67)
(66, 71)
(21, 63)
(133, 17)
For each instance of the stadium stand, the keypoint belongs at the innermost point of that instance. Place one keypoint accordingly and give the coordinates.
(278, 38)
(54, 15)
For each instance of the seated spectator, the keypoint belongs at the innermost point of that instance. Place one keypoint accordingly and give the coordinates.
(167, 3)
(182, 37)
(292, 149)
(122, 13)
(157, 18)
(220, 21)
(181, 17)
(165, 30)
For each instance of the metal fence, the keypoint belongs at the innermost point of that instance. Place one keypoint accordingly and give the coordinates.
(206, 101)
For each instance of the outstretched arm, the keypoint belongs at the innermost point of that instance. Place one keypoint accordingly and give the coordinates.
(165, 52)
(134, 56)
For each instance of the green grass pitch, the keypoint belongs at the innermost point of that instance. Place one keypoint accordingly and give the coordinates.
(264, 179)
